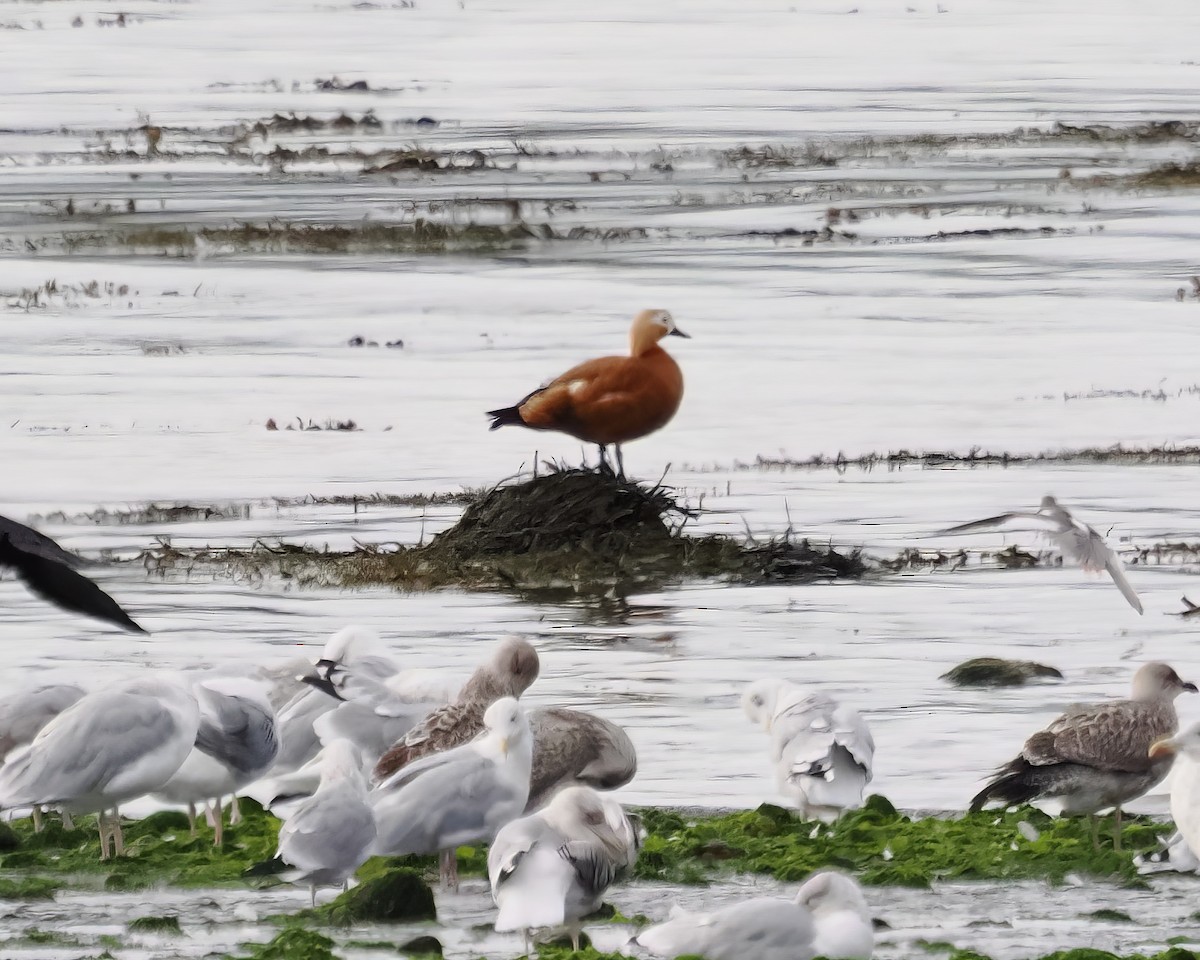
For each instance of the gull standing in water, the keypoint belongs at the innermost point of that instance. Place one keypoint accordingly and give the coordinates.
(108, 747)
(22, 716)
(1078, 542)
(553, 867)
(48, 570)
(459, 796)
(822, 749)
(1185, 790)
(1096, 756)
(235, 744)
(331, 834)
(827, 918)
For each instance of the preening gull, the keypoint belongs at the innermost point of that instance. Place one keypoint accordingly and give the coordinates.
(508, 673)
(354, 651)
(827, 918)
(463, 795)
(573, 747)
(236, 743)
(1185, 790)
(552, 868)
(331, 833)
(108, 747)
(1096, 756)
(822, 750)
(1078, 542)
(48, 570)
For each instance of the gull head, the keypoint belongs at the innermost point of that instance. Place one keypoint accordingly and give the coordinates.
(1158, 681)
(1187, 742)
(758, 702)
(515, 665)
(349, 643)
(829, 891)
(507, 724)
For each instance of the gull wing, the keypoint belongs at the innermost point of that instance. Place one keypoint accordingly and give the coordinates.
(1013, 522)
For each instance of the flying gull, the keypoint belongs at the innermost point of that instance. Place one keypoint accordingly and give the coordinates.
(1096, 756)
(1078, 542)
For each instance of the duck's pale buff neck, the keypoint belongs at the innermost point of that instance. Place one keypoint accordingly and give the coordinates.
(644, 335)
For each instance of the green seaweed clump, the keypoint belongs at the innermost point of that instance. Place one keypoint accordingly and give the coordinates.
(293, 943)
(159, 851)
(397, 894)
(998, 672)
(422, 947)
(885, 847)
(166, 924)
(28, 888)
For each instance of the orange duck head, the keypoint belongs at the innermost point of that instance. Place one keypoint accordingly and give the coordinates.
(609, 400)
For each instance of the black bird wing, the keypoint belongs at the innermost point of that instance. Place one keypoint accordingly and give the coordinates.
(53, 579)
(28, 540)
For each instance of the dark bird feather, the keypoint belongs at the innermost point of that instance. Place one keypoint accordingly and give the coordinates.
(46, 568)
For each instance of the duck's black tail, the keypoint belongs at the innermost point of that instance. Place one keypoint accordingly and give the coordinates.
(506, 417)
(1014, 783)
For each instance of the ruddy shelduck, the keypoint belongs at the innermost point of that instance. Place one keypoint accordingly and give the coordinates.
(609, 400)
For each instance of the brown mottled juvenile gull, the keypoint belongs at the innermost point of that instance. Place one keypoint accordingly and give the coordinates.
(573, 748)
(1096, 756)
(508, 673)
(1078, 542)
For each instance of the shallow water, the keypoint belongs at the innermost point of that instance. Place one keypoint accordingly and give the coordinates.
(898, 328)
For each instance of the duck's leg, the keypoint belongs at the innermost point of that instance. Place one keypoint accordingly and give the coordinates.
(1094, 829)
(68, 823)
(37, 819)
(235, 813)
(1117, 829)
(191, 819)
(312, 895)
(620, 462)
(604, 466)
(575, 930)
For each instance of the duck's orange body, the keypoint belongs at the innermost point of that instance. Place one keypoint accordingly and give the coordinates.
(610, 399)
